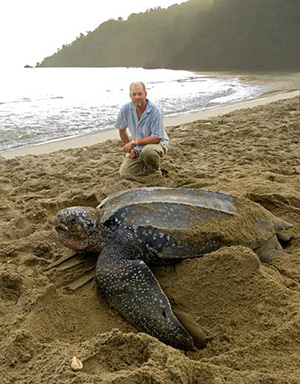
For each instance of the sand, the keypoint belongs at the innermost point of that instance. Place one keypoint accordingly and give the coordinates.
(250, 311)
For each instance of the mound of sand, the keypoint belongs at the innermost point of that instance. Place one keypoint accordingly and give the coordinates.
(250, 311)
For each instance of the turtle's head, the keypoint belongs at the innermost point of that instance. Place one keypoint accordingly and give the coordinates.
(78, 228)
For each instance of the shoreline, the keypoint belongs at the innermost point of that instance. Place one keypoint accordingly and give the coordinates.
(92, 139)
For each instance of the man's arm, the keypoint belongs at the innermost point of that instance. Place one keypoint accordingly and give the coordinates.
(124, 136)
(121, 124)
(147, 140)
(128, 147)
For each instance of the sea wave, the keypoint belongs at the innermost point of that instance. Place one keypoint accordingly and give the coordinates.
(55, 104)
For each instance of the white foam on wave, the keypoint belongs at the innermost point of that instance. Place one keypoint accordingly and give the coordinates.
(47, 104)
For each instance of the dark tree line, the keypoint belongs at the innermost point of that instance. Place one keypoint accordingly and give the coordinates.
(196, 35)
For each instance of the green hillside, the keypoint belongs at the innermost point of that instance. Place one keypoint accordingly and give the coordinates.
(195, 35)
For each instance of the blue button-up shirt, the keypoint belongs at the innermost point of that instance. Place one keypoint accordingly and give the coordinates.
(150, 124)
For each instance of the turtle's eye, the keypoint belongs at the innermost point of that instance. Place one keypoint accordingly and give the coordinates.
(73, 220)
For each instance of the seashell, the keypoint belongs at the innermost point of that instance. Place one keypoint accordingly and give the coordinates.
(76, 364)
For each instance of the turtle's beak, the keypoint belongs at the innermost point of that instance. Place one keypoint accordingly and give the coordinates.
(60, 224)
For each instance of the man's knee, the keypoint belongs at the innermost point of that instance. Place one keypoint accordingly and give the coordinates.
(148, 152)
(151, 156)
(123, 171)
(130, 168)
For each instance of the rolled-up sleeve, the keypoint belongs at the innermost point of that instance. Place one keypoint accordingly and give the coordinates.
(121, 122)
(158, 125)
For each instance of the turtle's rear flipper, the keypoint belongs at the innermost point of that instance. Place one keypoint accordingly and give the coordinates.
(283, 230)
(73, 271)
(194, 329)
(269, 251)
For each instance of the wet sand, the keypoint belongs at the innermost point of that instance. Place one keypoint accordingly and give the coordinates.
(88, 140)
(250, 310)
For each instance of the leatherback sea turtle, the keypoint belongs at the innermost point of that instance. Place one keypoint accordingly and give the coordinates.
(139, 227)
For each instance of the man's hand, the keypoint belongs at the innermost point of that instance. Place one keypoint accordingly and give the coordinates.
(133, 154)
(128, 147)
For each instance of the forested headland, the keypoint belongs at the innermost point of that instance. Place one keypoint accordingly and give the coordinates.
(252, 35)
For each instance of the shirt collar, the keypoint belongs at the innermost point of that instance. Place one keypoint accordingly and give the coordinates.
(148, 108)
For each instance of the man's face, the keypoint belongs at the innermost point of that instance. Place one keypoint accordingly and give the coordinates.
(138, 96)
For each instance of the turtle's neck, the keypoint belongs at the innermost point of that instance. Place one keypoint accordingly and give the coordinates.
(97, 238)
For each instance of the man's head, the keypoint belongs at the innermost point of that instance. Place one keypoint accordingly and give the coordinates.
(138, 94)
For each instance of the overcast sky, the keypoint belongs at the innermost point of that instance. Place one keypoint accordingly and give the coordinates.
(33, 29)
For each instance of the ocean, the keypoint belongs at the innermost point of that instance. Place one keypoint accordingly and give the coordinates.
(39, 105)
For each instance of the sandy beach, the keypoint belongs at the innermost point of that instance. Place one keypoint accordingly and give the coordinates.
(249, 310)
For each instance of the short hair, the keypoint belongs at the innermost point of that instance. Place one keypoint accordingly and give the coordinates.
(138, 82)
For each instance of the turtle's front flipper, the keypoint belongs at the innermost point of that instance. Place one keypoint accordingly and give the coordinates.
(132, 289)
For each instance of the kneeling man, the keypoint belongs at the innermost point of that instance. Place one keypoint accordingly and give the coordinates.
(149, 140)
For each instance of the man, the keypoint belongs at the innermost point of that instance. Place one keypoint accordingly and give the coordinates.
(149, 141)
